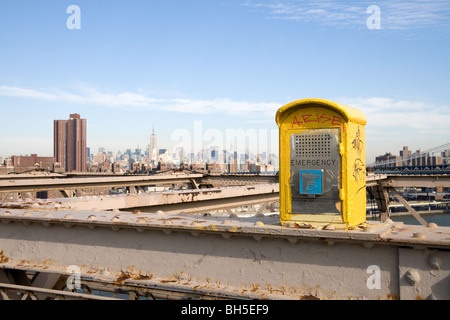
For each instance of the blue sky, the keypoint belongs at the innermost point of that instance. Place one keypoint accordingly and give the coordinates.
(226, 64)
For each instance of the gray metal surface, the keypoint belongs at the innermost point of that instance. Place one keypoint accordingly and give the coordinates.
(316, 150)
(253, 257)
(20, 185)
(192, 201)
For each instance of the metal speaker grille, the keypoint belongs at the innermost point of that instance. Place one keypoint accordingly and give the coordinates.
(313, 145)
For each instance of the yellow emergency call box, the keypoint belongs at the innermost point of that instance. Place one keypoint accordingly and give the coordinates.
(322, 164)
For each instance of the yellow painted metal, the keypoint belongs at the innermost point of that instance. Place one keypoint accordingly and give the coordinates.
(306, 116)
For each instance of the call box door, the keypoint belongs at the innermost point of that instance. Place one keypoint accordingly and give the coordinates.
(315, 165)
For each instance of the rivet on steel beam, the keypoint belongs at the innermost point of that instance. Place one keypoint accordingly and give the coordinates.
(226, 235)
(160, 213)
(141, 220)
(419, 235)
(434, 261)
(92, 218)
(412, 277)
(292, 239)
(367, 245)
(196, 224)
(259, 223)
(329, 227)
(257, 237)
(431, 297)
(227, 222)
(47, 224)
(115, 218)
(432, 225)
(68, 217)
(136, 211)
(6, 213)
(233, 216)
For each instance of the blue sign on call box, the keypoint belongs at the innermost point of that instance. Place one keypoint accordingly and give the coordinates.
(311, 182)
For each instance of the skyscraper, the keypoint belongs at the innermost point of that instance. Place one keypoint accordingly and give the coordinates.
(153, 148)
(69, 144)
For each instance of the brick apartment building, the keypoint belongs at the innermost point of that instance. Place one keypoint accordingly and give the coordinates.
(33, 162)
(69, 144)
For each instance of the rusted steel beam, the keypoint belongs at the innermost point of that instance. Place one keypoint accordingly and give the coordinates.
(253, 257)
(429, 181)
(21, 185)
(198, 200)
(33, 293)
(408, 207)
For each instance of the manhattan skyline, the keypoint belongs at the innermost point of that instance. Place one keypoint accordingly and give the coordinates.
(228, 65)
